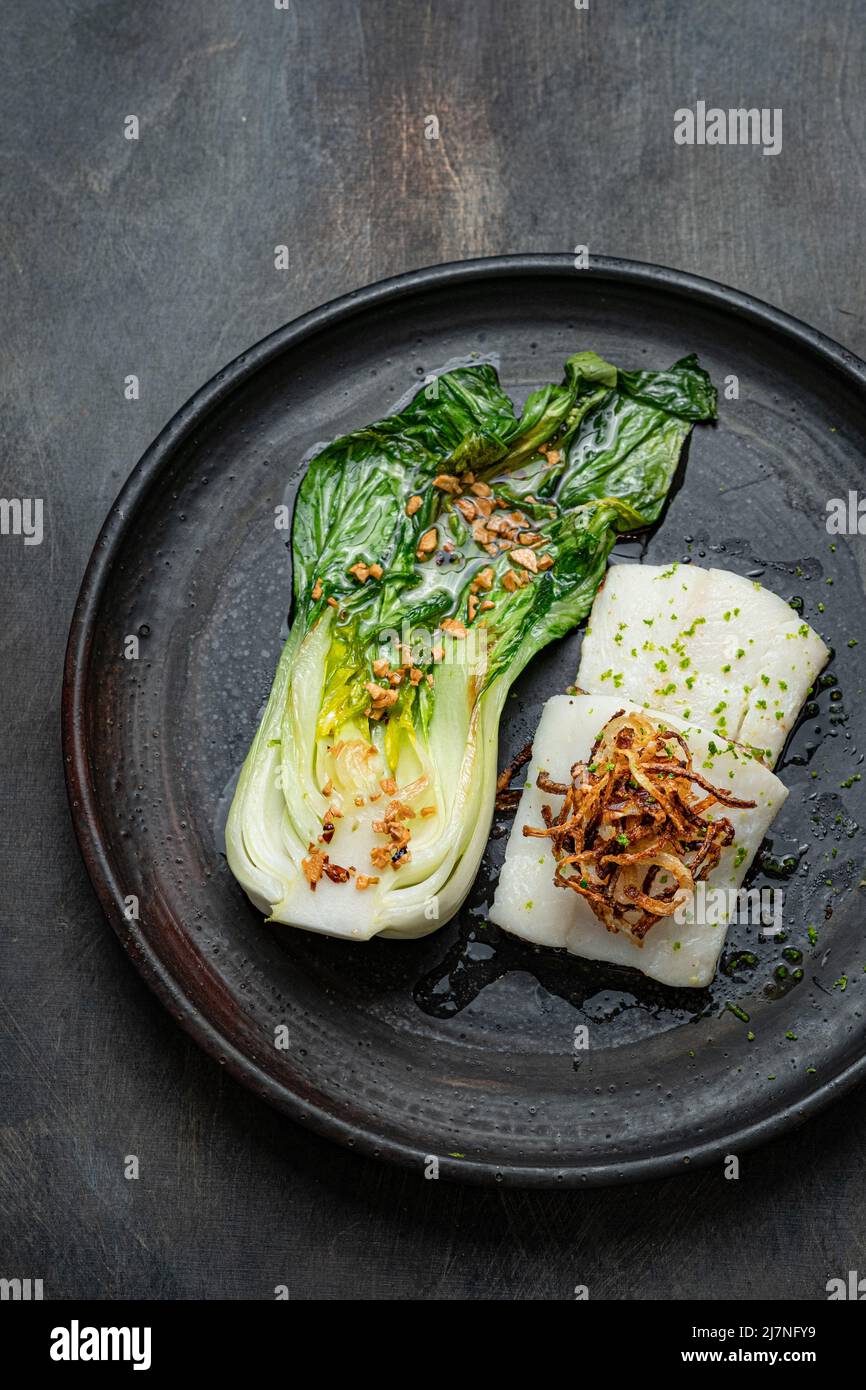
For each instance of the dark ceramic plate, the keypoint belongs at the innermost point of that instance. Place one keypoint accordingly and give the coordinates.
(461, 1045)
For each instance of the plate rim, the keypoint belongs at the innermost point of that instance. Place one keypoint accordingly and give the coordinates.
(84, 806)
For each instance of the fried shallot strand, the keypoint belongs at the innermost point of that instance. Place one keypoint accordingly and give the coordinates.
(506, 798)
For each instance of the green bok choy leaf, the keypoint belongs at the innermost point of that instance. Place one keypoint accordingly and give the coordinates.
(435, 552)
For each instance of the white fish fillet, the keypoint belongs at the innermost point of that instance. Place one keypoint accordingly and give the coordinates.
(708, 645)
(528, 903)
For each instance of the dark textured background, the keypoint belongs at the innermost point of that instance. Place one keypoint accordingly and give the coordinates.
(306, 127)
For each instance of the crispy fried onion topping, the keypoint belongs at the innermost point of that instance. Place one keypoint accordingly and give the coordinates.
(632, 835)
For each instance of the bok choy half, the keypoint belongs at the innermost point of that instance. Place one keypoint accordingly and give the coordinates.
(435, 552)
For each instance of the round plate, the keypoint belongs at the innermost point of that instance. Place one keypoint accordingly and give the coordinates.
(463, 1045)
